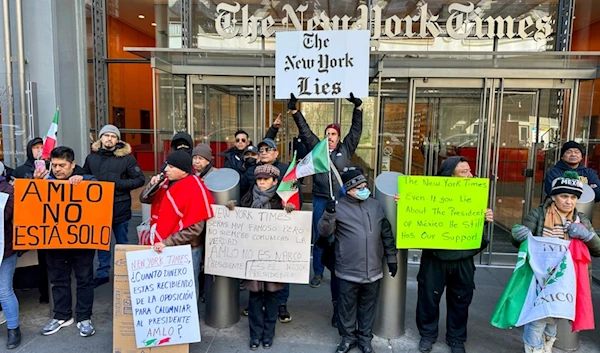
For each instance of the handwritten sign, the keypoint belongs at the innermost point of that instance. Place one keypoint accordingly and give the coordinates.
(163, 296)
(322, 64)
(259, 244)
(441, 212)
(52, 214)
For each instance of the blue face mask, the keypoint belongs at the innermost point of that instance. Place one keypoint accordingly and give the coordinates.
(362, 194)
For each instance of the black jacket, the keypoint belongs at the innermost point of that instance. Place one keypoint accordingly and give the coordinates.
(234, 158)
(25, 171)
(340, 156)
(248, 177)
(120, 167)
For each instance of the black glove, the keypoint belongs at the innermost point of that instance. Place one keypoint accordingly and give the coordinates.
(292, 102)
(356, 101)
(322, 243)
(330, 206)
(393, 269)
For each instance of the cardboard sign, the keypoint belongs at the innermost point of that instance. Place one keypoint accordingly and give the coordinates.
(259, 244)
(441, 212)
(3, 200)
(163, 296)
(123, 328)
(52, 214)
(322, 64)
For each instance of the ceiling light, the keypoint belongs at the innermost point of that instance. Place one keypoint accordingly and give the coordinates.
(153, 24)
(141, 16)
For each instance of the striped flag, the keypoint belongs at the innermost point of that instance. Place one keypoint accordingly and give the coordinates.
(288, 190)
(317, 161)
(50, 138)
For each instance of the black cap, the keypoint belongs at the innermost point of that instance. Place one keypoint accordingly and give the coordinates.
(568, 145)
(180, 160)
(352, 177)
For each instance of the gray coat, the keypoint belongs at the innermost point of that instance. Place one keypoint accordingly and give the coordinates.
(362, 237)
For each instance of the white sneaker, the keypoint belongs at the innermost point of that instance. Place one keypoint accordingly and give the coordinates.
(2, 318)
(548, 343)
(55, 325)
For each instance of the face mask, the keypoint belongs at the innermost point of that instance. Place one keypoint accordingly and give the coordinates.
(362, 194)
(250, 161)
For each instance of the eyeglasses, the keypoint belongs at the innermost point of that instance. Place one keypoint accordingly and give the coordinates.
(240, 140)
(266, 149)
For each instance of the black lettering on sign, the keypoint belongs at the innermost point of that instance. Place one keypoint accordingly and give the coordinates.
(35, 191)
(73, 216)
(56, 188)
(94, 192)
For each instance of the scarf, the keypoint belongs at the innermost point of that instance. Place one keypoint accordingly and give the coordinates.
(178, 206)
(260, 199)
(554, 226)
(206, 169)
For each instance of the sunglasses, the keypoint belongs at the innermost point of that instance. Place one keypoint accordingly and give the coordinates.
(265, 149)
(240, 140)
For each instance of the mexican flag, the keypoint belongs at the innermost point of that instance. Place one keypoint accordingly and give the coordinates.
(544, 284)
(288, 190)
(50, 138)
(317, 161)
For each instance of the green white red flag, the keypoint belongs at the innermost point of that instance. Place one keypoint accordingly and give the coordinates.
(288, 190)
(50, 138)
(317, 161)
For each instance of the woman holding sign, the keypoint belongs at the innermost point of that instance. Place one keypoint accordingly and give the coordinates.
(263, 194)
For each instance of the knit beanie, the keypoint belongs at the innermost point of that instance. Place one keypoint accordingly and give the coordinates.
(203, 150)
(568, 145)
(266, 171)
(569, 183)
(352, 177)
(110, 128)
(180, 160)
(336, 127)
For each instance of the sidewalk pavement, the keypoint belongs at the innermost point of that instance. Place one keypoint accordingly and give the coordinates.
(310, 330)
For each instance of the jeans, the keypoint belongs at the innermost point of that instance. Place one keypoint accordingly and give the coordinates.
(284, 294)
(318, 209)
(120, 230)
(533, 334)
(60, 264)
(196, 260)
(8, 299)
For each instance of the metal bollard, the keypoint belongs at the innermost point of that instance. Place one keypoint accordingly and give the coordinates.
(565, 338)
(391, 308)
(222, 293)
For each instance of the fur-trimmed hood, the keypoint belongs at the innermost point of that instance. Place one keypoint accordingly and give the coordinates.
(122, 148)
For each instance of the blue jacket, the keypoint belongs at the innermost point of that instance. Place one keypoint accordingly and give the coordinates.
(586, 175)
(85, 177)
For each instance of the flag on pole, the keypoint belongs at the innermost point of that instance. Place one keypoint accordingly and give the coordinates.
(288, 190)
(50, 138)
(317, 161)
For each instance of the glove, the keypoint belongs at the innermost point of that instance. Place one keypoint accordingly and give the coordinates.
(520, 232)
(292, 102)
(230, 205)
(578, 231)
(356, 101)
(393, 269)
(289, 207)
(322, 243)
(330, 206)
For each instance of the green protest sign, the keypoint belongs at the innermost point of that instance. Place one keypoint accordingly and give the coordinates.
(441, 212)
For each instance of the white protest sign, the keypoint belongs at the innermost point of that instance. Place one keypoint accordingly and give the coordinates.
(163, 296)
(322, 64)
(259, 244)
(3, 200)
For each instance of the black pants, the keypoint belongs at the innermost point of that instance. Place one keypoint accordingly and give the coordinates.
(60, 263)
(357, 301)
(458, 278)
(43, 272)
(262, 323)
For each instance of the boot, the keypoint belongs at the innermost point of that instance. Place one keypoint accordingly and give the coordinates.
(14, 338)
(334, 318)
(530, 349)
(548, 343)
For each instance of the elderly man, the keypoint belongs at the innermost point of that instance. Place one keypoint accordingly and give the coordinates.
(363, 238)
(571, 155)
(183, 203)
(202, 160)
(111, 160)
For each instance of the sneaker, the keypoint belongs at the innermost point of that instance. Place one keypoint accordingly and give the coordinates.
(245, 311)
(425, 345)
(56, 325)
(98, 281)
(316, 281)
(86, 329)
(2, 318)
(284, 315)
(456, 347)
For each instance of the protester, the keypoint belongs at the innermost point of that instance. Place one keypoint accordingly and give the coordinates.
(184, 204)
(250, 158)
(571, 155)
(452, 269)
(8, 299)
(341, 154)
(62, 261)
(202, 160)
(25, 275)
(182, 141)
(263, 296)
(557, 217)
(111, 160)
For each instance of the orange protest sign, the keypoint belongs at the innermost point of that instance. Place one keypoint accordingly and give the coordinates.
(52, 214)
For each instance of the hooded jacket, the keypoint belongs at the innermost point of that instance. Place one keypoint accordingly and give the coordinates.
(25, 171)
(341, 156)
(363, 236)
(586, 175)
(120, 167)
(446, 169)
(182, 136)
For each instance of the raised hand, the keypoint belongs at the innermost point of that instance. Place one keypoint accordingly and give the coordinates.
(356, 101)
(292, 102)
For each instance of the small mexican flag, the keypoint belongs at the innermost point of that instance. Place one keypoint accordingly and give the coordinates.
(317, 161)
(50, 138)
(288, 190)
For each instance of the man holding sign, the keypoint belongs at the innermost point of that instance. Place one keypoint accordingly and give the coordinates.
(453, 269)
